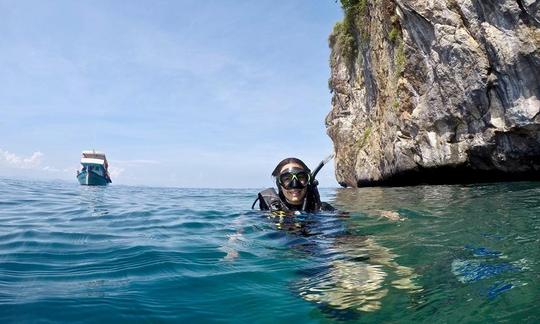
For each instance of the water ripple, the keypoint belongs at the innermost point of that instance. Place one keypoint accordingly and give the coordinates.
(70, 253)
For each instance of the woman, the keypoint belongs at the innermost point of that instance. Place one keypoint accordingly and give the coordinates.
(297, 189)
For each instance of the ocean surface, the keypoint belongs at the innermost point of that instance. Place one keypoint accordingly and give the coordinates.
(428, 254)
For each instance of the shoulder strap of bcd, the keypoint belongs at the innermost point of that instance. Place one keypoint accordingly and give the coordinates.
(269, 200)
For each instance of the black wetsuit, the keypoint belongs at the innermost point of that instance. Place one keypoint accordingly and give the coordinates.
(269, 199)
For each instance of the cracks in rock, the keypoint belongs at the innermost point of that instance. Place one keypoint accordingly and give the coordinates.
(464, 19)
(491, 73)
(342, 112)
(493, 87)
(424, 34)
(481, 42)
(443, 96)
(489, 86)
(454, 137)
(370, 82)
(527, 17)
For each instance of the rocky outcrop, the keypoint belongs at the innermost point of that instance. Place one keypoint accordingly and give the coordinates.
(435, 91)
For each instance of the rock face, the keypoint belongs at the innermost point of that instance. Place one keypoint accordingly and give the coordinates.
(435, 91)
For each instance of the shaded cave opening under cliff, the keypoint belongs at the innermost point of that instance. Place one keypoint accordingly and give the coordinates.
(449, 175)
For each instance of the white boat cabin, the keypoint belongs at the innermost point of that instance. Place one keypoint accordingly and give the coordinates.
(94, 157)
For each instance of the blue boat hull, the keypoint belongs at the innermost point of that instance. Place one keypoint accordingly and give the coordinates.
(92, 179)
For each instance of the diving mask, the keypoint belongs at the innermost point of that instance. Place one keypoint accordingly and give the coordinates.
(294, 178)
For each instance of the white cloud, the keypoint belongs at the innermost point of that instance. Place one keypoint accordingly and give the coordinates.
(115, 172)
(33, 162)
(15, 161)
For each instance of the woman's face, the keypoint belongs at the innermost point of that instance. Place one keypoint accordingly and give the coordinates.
(293, 196)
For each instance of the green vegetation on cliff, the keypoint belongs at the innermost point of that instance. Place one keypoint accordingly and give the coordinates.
(344, 36)
(350, 34)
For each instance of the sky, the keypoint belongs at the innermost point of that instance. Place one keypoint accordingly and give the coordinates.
(199, 94)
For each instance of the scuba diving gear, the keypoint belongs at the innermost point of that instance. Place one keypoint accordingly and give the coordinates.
(294, 178)
(321, 164)
(270, 200)
(312, 186)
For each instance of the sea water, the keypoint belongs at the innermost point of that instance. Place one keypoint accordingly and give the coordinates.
(71, 253)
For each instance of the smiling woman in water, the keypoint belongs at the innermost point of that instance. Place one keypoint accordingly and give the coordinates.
(297, 189)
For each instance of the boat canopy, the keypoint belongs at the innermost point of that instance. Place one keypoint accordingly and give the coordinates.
(92, 161)
(94, 157)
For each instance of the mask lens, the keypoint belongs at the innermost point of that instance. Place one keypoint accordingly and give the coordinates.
(303, 178)
(285, 179)
(298, 180)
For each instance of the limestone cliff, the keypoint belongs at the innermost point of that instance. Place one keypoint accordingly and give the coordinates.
(435, 91)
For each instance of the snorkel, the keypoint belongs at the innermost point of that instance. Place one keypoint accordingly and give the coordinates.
(319, 167)
(313, 183)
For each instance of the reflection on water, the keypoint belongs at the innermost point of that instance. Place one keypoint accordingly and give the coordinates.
(351, 271)
(377, 201)
(467, 244)
(356, 276)
(94, 197)
(129, 254)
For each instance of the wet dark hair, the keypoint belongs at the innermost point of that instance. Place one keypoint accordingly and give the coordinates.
(286, 161)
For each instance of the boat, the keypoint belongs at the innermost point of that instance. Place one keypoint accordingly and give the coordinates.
(95, 169)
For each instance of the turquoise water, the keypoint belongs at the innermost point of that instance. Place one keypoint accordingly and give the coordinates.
(419, 254)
